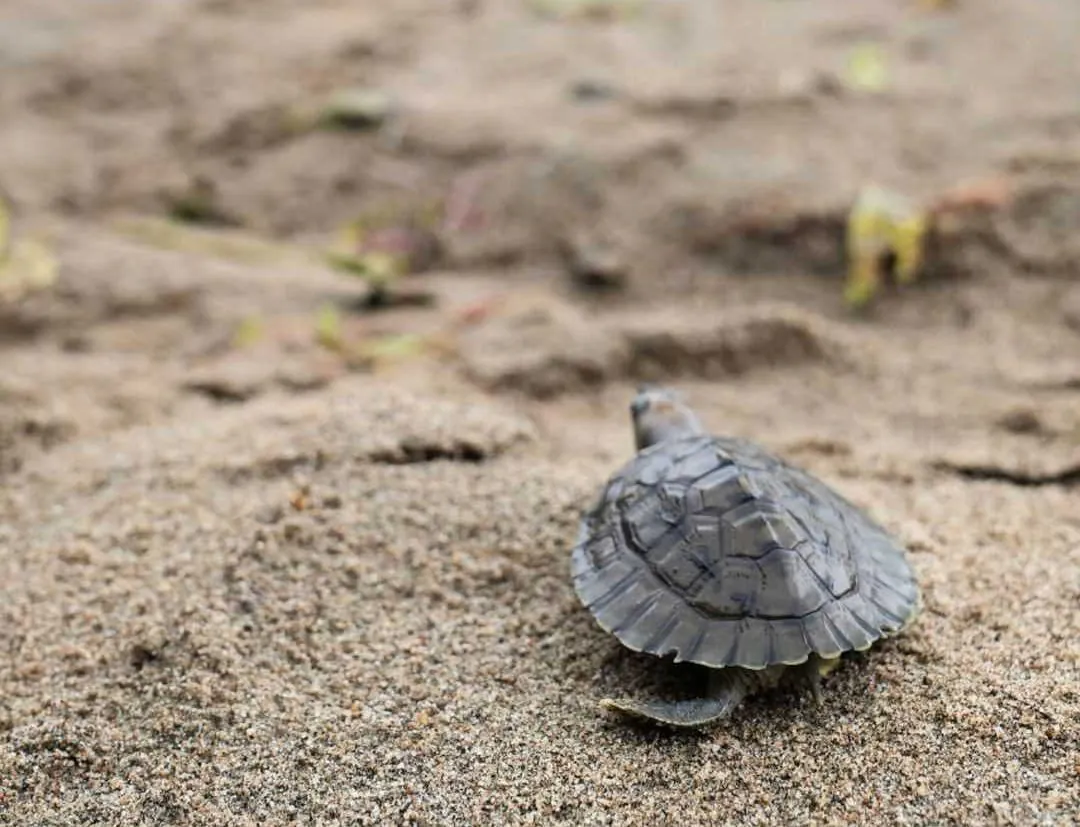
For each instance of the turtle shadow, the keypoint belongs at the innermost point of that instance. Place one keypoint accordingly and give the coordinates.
(626, 672)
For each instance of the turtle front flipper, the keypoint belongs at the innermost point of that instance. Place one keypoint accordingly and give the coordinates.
(811, 673)
(727, 689)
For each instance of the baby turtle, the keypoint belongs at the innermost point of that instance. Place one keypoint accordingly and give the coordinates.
(719, 553)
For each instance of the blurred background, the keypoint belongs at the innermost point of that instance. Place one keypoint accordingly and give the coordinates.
(435, 157)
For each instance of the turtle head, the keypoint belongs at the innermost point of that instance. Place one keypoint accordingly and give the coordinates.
(660, 415)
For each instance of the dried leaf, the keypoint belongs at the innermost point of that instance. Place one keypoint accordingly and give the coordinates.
(882, 222)
(357, 109)
(380, 270)
(391, 348)
(249, 331)
(26, 265)
(384, 246)
(867, 69)
(29, 266)
(329, 328)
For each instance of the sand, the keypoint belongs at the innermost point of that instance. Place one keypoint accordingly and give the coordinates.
(258, 583)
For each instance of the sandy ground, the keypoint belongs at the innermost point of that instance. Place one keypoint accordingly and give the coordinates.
(251, 581)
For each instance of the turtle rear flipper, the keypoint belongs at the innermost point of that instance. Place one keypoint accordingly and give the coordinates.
(727, 689)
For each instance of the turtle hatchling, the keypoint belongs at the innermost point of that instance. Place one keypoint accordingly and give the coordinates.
(714, 551)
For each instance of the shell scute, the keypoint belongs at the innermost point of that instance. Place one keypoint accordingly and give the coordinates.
(714, 550)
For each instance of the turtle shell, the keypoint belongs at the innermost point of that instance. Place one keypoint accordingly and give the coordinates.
(714, 551)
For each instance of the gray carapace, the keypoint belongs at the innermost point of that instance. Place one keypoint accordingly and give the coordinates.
(715, 552)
